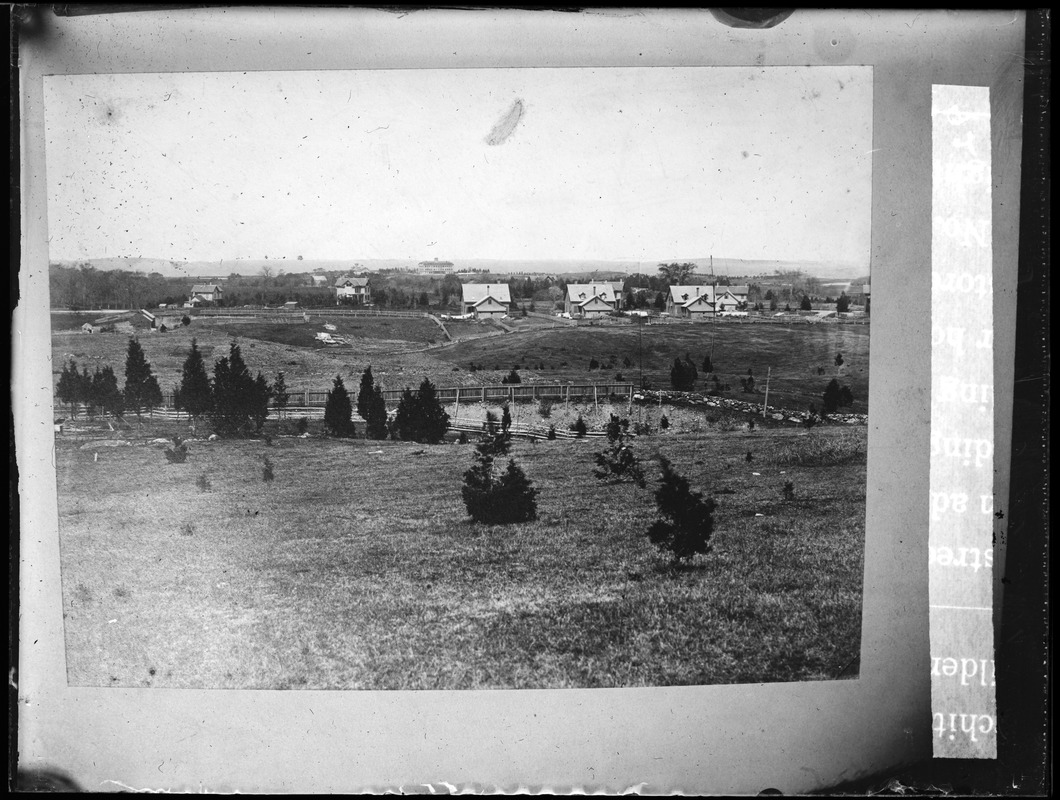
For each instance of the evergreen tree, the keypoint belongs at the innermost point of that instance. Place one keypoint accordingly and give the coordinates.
(68, 389)
(237, 398)
(259, 402)
(842, 305)
(579, 427)
(279, 394)
(512, 377)
(708, 365)
(365, 391)
(105, 392)
(506, 418)
(689, 521)
(406, 420)
(193, 394)
(503, 500)
(338, 411)
(376, 421)
(805, 303)
(142, 392)
(830, 399)
(434, 421)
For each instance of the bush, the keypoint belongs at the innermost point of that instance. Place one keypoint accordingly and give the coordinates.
(643, 428)
(267, 473)
(178, 453)
(185, 320)
(789, 490)
(420, 417)
(805, 304)
(688, 522)
(462, 439)
(748, 384)
(617, 462)
(664, 422)
(750, 424)
(511, 377)
(303, 425)
(708, 365)
(579, 427)
(551, 432)
(593, 364)
(544, 407)
(494, 500)
(203, 483)
(836, 396)
(683, 375)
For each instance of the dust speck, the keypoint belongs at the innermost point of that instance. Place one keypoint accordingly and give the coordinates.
(506, 124)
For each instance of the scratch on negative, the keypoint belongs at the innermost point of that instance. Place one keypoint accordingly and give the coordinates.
(504, 127)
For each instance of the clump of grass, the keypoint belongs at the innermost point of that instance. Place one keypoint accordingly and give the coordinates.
(749, 457)
(789, 490)
(203, 483)
(187, 529)
(822, 451)
(267, 473)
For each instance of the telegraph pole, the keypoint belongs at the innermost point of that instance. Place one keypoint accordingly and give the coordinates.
(765, 403)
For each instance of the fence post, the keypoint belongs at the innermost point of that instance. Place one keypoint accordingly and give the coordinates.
(305, 398)
(483, 395)
(596, 403)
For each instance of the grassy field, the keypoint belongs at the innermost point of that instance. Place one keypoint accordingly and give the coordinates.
(358, 568)
(801, 358)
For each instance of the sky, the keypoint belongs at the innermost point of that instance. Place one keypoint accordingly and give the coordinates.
(536, 163)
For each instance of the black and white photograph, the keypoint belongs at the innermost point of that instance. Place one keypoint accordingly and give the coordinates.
(460, 378)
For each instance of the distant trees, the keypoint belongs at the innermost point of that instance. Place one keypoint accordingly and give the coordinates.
(676, 274)
(193, 394)
(420, 416)
(105, 394)
(688, 518)
(512, 377)
(338, 411)
(71, 387)
(142, 392)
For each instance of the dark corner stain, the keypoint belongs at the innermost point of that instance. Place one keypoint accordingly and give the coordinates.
(506, 125)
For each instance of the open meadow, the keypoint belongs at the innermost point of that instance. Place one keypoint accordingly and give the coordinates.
(358, 568)
(800, 359)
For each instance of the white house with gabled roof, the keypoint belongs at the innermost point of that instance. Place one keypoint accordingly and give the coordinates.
(588, 300)
(690, 302)
(349, 289)
(485, 300)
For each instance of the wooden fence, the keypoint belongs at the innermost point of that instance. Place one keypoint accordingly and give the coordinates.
(512, 393)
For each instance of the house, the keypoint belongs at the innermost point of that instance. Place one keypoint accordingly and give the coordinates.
(349, 289)
(726, 301)
(587, 300)
(291, 304)
(618, 287)
(319, 280)
(690, 302)
(436, 267)
(485, 300)
(739, 292)
(88, 327)
(205, 293)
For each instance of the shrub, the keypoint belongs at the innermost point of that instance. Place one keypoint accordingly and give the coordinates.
(748, 384)
(643, 428)
(507, 499)
(338, 412)
(267, 473)
(279, 393)
(617, 462)
(789, 490)
(805, 304)
(619, 377)
(683, 375)
(303, 425)
(462, 439)
(551, 432)
(750, 424)
(506, 418)
(579, 427)
(203, 483)
(178, 453)
(749, 457)
(544, 407)
(664, 422)
(688, 522)
(594, 364)
(627, 363)
(708, 365)
(512, 377)
(839, 359)
(836, 396)
(185, 320)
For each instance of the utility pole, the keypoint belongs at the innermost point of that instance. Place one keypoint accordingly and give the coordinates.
(765, 404)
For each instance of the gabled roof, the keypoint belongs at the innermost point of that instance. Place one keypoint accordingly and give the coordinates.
(350, 280)
(596, 300)
(687, 295)
(736, 290)
(208, 288)
(475, 293)
(580, 292)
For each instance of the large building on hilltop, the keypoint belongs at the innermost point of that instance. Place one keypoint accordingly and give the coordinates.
(436, 267)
